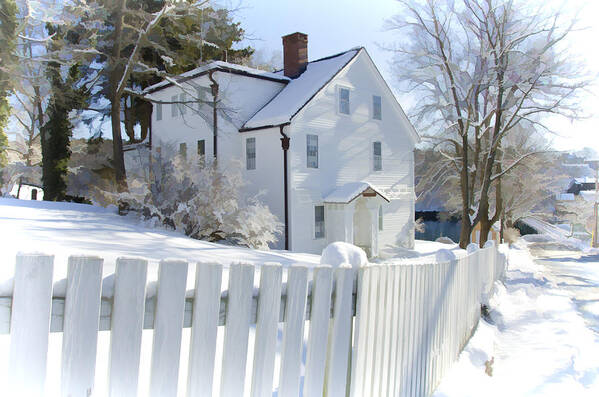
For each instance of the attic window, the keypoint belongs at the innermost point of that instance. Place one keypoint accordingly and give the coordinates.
(344, 100)
(377, 111)
(250, 153)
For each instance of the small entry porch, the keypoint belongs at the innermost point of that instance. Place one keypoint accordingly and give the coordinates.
(353, 212)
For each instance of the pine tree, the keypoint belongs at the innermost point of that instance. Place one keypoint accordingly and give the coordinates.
(8, 25)
(58, 130)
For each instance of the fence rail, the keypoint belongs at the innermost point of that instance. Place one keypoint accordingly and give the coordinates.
(382, 330)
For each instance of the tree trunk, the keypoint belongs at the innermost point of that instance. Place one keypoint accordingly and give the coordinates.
(115, 101)
(117, 146)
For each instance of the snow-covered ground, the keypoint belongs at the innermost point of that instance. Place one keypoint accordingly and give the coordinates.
(64, 229)
(542, 335)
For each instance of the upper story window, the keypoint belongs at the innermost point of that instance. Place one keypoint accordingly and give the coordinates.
(377, 109)
(319, 221)
(250, 153)
(183, 150)
(344, 100)
(158, 111)
(182, 99)
(312, 151)
(377, 158)
(174, 106)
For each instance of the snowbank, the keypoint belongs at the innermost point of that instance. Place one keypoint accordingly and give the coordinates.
(340, 253)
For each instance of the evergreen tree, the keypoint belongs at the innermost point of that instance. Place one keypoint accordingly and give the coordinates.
(8, 25)
(58, 130)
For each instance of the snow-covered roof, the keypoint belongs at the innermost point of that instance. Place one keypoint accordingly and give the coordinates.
(348, 192)
(587, 179)
(299, 91)
(217, 65)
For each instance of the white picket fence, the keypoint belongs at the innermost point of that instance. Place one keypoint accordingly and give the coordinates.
(382, 330)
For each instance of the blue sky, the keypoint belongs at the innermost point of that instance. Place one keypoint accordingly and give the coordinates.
(337, 25)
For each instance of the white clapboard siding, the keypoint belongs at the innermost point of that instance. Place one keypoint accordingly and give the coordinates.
(81, 317)
(206, 308)
(168, 325)
(239, 311)
(340, 335)
(30, 324)
(269, 302)
(127, 323)
(322, 285)
(293, 331)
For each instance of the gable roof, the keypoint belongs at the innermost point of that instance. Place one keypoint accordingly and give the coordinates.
(217, 66)
(348, 192)
(299, 91)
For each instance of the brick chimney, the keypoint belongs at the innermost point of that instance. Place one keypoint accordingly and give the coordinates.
(295, 54)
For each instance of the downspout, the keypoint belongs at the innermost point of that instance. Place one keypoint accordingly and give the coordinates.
(214, 87)
(285, 146)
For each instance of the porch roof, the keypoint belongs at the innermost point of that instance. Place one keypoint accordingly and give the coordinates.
(348, 192)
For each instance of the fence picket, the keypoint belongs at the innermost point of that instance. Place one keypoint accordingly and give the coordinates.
(168, 325)
(319, 329)
(30, 324)
(359, 353)
(127, 323)
(293, 331)
(206, 308)
(337, 369)
(269, 302)
(239, 311)
(81, 317)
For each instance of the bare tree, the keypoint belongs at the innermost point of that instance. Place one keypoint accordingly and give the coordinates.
(480, 69)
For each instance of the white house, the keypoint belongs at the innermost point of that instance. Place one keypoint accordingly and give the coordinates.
(325, 140)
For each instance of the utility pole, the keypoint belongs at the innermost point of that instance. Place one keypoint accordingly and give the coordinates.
(594, 164)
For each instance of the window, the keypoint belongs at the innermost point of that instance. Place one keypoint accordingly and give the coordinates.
(380, 217)
(182, 98)
(319, 221)
(250, 153)
(377, 111)
(158, 111)
(183, 150)
(174, 108)
(377, 158)
(201, 152)
(34, 194)
(312, 151)
(344, 100)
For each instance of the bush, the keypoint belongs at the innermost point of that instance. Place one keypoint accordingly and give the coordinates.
(200, 199)
(511, 235)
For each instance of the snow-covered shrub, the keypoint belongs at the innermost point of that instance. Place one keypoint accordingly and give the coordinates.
(511, 235)
(201, 199)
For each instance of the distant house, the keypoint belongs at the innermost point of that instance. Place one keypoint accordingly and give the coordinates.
(325, 140)
(578, 185)
(27, 191)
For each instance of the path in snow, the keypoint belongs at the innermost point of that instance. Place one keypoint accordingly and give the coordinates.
(542, 331)
(577, 274)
